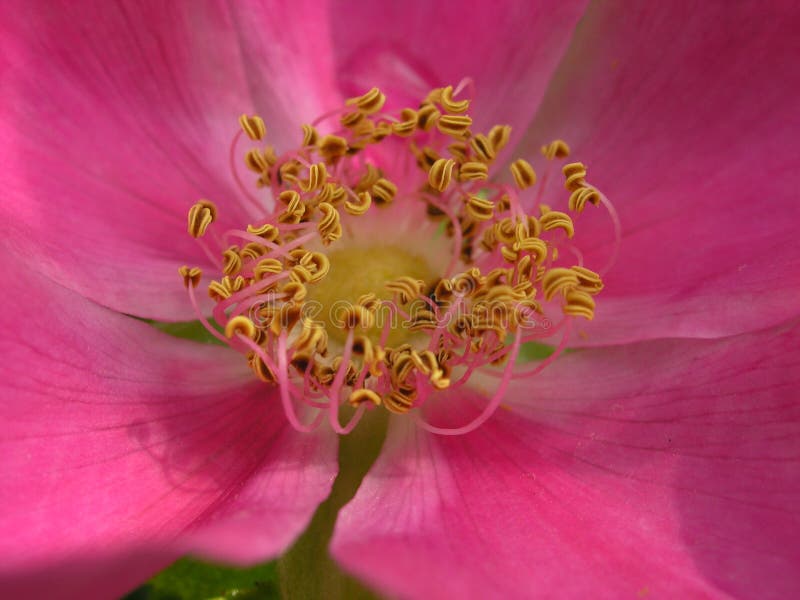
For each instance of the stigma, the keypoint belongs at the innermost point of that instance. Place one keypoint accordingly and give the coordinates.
(390, 260)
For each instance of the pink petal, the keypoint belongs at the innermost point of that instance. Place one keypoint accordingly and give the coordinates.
(406, 48)
(118, 439)
(660, 469)
(686, 117)
(113, 127)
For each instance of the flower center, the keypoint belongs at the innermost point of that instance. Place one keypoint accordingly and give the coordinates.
(385, 267)
(357, 271)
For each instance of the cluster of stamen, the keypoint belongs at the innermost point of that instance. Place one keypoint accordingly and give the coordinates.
(505, 275)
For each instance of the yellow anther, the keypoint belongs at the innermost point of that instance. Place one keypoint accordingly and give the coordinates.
(191, 275)
(267, 231)
(483, 148)
(253, 126)
(236, 284)
(536, 247)
(201, 215)
(257, 161)
(579, 304)
(383, 191)
(287, 196)
(300, 273)
(509, 254)
(505, 230)
(408, 125)
(312, 337)
(425, 157)
(218, 291)
(261, 370)
(467, 283)
(499, 136)
(241, 325)
(359, 204)
(398, 402)
(329, 227)
(406, 288)
(331, 193)
(370, 177)
(454, 125)
(266, 267)
(357, 316)
(459, 151)
(423, 320)
(317, 263)
(231, 261)
(352, 119)
(295, 291)
(574, 174)
(524, 175)
(441, 173)
(317, 176)
(589, 281)
(382, 130)
(289, 171)
(474, 171)
(555, 149)
(557, 220)
(450, 105)
(310, 135)
(558, 280)
(480, 209)
(427, 116)
(579, 198)
(332, 147)
(534, 227)
(252, 251)
(369, 103)
(362, 395)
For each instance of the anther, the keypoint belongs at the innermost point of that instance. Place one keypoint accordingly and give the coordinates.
(450, 105)
(310, 135)
(558, 280)
(383, 191)
(499, 136)
(441, 173)
(358, 205)
(480, 209)
(524, 175)
(241, 325)
(369, 103)
(360, 396)
(555, 149)
(332, 147)
(454, 125)
(329, 227)
(201, 215)
(557, 220)
(253, 126)
(191, 276)
(473, 171)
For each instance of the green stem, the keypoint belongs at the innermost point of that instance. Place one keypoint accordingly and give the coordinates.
(307, 570)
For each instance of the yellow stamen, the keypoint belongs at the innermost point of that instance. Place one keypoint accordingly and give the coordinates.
(253, 126)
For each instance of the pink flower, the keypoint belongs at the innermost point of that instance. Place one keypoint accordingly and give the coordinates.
(660, 459)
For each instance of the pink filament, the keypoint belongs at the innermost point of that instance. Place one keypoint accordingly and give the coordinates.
(336, 386)
(256, 205)
(494, 402)
(612, 212)
(202, 318)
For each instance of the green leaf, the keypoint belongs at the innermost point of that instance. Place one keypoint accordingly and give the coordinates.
(187, 330)
(189, 579)
(534, 351)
